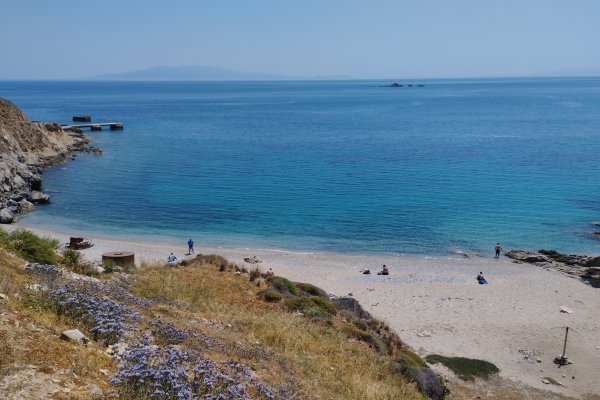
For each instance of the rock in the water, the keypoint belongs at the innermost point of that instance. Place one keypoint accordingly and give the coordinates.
(26, 206)
(526, 256)
(6, 216)
(39, 197)
(74, 335)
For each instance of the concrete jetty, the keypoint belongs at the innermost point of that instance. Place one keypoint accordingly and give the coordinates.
(114, 126)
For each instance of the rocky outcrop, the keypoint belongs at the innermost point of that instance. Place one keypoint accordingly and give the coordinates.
(585, 267)
(26, 149)
(527, 256)
(351, 304)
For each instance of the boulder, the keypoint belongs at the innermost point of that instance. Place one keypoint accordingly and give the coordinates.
(98, 269)
(26, 206)
(527, 256)
(18, 182)
(35, 183)
(593, 262)
(6, 216)
(351, 304)
(567, 259)
(96, 392)
(428, 383)
(39, 197)
(74, 335)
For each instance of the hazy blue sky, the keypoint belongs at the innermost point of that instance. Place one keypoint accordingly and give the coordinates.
(364, 39)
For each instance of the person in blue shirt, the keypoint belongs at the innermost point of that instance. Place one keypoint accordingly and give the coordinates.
(481, 279)
(190, 246)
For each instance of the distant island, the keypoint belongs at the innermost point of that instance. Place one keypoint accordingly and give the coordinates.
(201, 73)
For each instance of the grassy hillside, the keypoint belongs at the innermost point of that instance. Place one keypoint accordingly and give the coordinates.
(187, 332)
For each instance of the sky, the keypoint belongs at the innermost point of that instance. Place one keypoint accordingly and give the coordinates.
(379, 39)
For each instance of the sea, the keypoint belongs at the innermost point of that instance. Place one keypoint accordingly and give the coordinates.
(434, 168)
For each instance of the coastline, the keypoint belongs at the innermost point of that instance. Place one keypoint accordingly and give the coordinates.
(434, 303)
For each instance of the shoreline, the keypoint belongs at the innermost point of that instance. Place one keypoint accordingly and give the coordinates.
(434, 303)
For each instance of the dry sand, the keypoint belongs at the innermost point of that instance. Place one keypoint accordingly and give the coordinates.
(436, 305)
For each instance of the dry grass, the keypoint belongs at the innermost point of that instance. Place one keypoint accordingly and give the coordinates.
(319, 360)
(316, 360)
(12, 276)
(30, 335)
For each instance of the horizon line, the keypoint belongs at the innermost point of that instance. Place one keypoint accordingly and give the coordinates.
(291, 79)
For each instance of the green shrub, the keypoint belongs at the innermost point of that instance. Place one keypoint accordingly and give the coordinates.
(324, 304)
(283, 286)
(311, 289)
(270, 295)
(108, 265)
(465, 368)
(361, 324)
(410, 358)
(311, 306)
(353, 331)
(32, 247)
(71, 259)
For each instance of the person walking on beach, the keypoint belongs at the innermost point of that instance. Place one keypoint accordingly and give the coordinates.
(498, 248)
(190, 246)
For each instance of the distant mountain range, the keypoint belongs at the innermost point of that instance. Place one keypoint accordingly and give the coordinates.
(199, 73)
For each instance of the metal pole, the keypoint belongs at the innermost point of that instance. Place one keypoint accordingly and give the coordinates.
(565, 346)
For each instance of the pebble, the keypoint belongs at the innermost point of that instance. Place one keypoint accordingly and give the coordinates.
(546, 381)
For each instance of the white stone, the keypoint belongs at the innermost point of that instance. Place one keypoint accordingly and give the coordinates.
(74, 335)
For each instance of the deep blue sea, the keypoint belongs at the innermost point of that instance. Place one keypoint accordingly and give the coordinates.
(331, 165)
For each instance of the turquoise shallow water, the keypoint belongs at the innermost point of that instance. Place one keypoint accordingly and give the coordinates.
(334, 166)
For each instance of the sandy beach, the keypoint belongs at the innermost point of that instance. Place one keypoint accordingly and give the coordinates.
(436, 305)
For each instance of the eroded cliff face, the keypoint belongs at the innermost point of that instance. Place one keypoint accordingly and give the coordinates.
(26, 149)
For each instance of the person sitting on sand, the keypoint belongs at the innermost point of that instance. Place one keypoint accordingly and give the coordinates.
(366, 271)
(481, 279)
(384, 271)
(172, 259)
(270, 272)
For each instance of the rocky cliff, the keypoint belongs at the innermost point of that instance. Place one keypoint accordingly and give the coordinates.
(26, 149)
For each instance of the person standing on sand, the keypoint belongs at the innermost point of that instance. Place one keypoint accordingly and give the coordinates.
(190, 246)
(498, 248)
